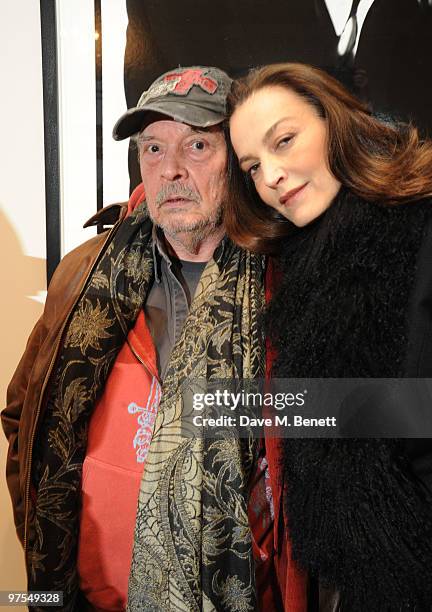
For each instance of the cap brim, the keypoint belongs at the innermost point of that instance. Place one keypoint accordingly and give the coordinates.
(134, 120)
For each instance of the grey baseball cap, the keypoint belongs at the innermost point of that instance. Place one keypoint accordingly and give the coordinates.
(195, 95)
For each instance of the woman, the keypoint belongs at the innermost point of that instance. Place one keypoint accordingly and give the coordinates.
(341, 199)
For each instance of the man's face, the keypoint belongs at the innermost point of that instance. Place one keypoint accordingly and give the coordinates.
(184, 175)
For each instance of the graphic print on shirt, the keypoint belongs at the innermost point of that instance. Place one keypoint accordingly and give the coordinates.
(146, 419)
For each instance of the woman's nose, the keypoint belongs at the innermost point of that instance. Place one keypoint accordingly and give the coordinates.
(273, 174)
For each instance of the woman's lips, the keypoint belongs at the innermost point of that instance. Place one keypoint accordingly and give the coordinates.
(287, 198)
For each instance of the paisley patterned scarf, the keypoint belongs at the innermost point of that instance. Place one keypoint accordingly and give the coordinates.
(193, 546)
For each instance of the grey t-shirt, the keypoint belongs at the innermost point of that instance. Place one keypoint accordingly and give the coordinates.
(169, 300)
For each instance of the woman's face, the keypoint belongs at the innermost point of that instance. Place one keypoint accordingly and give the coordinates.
(281, 142)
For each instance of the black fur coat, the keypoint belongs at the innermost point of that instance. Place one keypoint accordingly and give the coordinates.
(355, 300)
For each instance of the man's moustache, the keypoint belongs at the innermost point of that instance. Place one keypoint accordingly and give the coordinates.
(176, 190)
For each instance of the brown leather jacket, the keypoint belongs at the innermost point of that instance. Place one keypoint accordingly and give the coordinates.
(27, 388)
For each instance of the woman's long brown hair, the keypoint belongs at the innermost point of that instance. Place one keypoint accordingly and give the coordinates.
(380, 161)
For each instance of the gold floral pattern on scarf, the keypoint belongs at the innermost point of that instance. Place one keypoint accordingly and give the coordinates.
(192, 547)
(89, 326)
(192, 542)
(102, 316)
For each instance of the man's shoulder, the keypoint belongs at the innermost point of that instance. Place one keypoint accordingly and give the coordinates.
(89, 249)
(108, 215)
(75, 265)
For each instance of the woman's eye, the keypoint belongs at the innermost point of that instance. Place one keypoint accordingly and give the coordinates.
(283, 141)
(253, 170)
(153, 148)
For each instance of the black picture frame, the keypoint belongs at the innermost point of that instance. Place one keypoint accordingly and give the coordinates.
(51, 134)
(49, 45)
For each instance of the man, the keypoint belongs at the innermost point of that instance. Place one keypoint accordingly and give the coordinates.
(87, 410)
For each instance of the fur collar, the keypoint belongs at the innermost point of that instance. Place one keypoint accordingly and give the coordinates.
(343, 303)
(357, 517)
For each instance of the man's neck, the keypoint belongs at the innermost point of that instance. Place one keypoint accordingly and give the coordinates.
(187, 249)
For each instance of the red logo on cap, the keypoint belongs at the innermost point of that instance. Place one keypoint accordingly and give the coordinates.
(189, 78)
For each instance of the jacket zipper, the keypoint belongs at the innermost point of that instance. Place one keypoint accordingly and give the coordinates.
(148, 366)
(48, 374)
(142, 362)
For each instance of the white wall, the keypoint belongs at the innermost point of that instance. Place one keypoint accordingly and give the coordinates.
(115, 154)
(22, 223)
(77, 112)
(22, 183)
(77, 119)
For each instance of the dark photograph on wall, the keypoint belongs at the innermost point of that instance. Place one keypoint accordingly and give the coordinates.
(380, 49)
